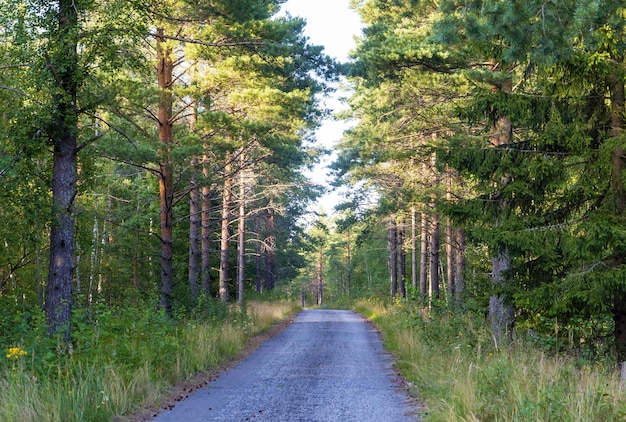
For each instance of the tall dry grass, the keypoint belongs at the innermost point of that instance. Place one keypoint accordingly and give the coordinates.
(454, 365)
(121, 373)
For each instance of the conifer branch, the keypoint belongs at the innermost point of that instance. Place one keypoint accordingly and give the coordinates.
(208, 44)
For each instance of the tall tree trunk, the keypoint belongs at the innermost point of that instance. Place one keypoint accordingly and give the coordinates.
(459, 281)
(450, 259)
(257, 254)
(269, 279)
(401, 258)
(393, 257)
(195, 214)
(434, 256)
(618, 110)
(225, 227)
(195, 227)
(241, 230)
(424, 256)
(165, 68)
(500, 311)
(205, 241)
(63, 134)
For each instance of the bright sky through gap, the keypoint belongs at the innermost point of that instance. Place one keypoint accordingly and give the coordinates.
(333, 25)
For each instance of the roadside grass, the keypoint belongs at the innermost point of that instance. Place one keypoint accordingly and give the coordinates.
(454, 365)
(122, 363)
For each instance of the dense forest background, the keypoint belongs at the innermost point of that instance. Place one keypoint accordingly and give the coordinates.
(152, 157)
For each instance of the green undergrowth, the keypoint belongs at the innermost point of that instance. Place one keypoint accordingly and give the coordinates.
(121, 359)
(461, 373)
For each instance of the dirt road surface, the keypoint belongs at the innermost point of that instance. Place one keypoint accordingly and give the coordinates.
(328, 365)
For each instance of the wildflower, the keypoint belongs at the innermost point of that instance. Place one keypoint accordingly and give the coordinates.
(16, 352)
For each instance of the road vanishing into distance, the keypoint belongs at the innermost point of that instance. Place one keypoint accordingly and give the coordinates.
(326, 366)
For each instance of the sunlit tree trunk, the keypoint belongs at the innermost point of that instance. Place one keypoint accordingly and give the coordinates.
(434, 254)
(205, 241)
(195, 227)
(241, 231)
(165, 68)
(225, 228)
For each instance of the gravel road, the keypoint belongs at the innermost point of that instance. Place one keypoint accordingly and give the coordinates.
(326, 366)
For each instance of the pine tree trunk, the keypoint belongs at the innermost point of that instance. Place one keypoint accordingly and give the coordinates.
(225, 228)
(434, 256)
(393, 257)
(205, 241)
(63, 133)
(257, 254)
(401, 258)
(618, 109)
(241, 231)
(450, 258)
(269, 279)
(459, 281)
(195, 214)
(424, 256)
(500, 312)
(165, 68)
(195, 228)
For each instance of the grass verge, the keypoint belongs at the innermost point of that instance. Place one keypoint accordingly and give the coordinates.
(454, 365)
(123, 364)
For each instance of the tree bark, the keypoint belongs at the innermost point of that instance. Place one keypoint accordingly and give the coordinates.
(450, 259)
(401, 258)
(618, 109)
(500, 312)
(258, 254)
(393, 257)
(225, 227)
(205, 241)
(459, 280)
(269, 279)
(424, 256)
(195, 227)
(434, 256)
(165, 68)
(241, 231)
(63, 134)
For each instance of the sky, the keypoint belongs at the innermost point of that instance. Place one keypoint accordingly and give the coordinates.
(333, 25)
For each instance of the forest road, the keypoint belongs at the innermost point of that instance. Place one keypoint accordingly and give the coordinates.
(328, 365)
